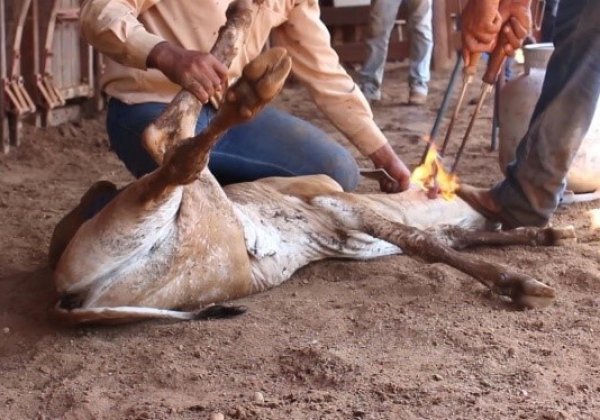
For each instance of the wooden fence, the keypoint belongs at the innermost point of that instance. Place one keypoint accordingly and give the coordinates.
(48, 73)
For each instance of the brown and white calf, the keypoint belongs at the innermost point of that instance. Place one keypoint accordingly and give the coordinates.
(175, 241)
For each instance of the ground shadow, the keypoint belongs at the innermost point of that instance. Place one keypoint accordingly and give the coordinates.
(26, 300)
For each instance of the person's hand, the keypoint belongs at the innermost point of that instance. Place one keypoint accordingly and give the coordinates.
(386, 158)
(480, 24)
(199, 73)
(516, 16)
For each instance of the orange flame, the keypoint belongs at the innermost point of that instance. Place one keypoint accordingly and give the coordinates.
(432, 176)
(594, 218)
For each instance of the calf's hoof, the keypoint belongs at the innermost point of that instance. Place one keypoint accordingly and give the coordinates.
(527, 292)
(261, 81)
(561, 235)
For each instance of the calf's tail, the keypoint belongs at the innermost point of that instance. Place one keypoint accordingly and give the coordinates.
(126, 314)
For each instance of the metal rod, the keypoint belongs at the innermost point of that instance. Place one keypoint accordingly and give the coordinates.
(466, 82)
(487, 88)
(496, 118)
(443, 106)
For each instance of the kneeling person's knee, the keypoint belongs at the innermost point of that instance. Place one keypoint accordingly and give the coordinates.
(343, 169)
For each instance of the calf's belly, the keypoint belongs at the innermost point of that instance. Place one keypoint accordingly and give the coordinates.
(284, 233)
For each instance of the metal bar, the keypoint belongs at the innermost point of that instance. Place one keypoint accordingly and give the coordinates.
(447, 95)
(443, 106)
(466, 82)
(487, 88)
(496, 115)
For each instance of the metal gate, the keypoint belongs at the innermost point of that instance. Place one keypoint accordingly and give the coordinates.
(47, 72)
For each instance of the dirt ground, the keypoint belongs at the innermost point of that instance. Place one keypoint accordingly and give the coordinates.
(388, 339)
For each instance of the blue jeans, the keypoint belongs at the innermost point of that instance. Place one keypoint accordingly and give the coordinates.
(535, 180)
(381, 23)
(272, 144)
(550, 12)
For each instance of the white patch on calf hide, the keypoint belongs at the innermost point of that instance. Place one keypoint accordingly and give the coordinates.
(285, 233)
(100, 249)
(411, 207)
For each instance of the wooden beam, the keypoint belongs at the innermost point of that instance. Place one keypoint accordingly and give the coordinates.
(441, 60)
(347, 26)
(337, 16)
(4, 137)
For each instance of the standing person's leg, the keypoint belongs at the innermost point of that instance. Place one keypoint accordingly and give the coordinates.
(421, 47)
(381, 22)
(272, 144)
(536, 179)
(548, 20)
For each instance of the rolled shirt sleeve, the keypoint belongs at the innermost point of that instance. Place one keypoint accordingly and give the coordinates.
(317, 66)
(112, 27)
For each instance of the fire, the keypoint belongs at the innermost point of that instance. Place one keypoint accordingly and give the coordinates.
(432, 175)
(594, 218)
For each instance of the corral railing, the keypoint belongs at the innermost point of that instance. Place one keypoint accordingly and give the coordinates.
(48, 73)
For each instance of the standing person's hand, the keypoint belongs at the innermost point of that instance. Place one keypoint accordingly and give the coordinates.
(480, 24)
(200, 73)
(516, 14)
(386, 158)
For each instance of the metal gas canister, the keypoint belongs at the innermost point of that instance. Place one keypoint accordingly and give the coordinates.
(517, 101)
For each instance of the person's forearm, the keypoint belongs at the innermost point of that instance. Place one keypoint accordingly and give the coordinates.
(383, 156)
(387, 159)
(112, 27)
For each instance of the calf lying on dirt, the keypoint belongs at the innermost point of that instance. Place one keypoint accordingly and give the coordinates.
(175, 241)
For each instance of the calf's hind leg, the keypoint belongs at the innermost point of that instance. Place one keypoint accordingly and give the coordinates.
(138, 212)
(459, 238)
(523, 289)
(437, 246)
(178, 120)
(261, 81)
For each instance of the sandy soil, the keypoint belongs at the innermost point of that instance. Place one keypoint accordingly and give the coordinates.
(390, 339)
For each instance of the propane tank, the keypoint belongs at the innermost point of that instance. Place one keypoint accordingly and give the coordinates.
(517, 101)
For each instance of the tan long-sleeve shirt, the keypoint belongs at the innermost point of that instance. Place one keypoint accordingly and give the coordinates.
(126, 31)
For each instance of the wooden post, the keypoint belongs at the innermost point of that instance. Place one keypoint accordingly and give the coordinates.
(441, 60)
(4, 138)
